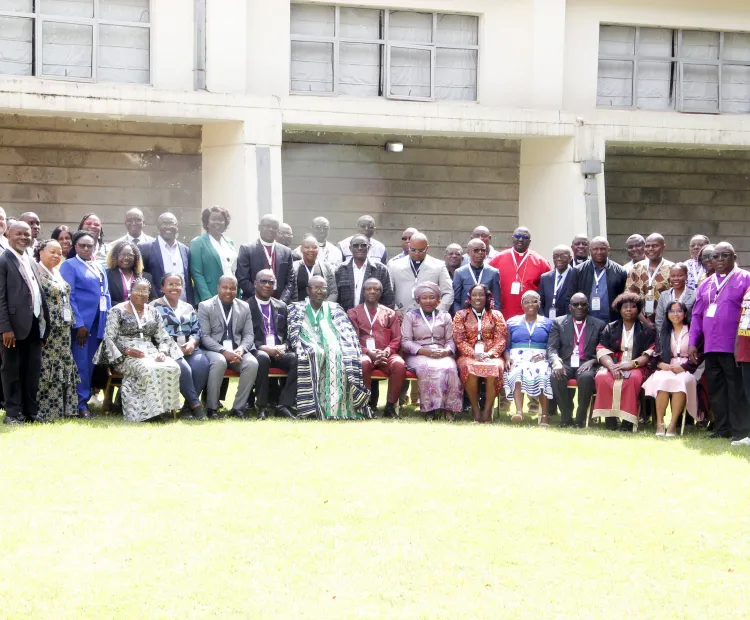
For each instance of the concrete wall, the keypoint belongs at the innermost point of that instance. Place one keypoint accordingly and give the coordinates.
(442, 186)
(64, 168)
(678, 193)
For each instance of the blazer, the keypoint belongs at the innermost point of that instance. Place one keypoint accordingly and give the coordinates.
(278, 315)
(561, 339)
(252, 259)
(431, 270)
(16, 300)
(616, 278)
(116, 292)
(663, 303)
(320, 268)
(463, 280)
(153, 264)
(85, 291)
(205, 266)
(211, 317)
(345, 283)
(567, 290)
(144, 238)
(644, 338)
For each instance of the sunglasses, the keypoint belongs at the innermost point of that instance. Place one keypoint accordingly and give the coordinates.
(322, 228)
(416, 251)
(723, 255)
(319, 289)
(522, 237)
(580, 304)
(359, 245)
(480, 250)
(267, 282)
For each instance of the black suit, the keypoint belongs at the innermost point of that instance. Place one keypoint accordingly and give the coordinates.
(116, 290)
(253, 258)
(616, 277)
(287, 362)
(560, 347)
(154, 265)
(22, 364)
(345, 284)
(562, 300)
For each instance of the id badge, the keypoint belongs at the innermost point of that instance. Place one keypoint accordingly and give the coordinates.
(181, 340)
(649, 306)
(711, 312)
(228, 345)
(479, 347)
(67, 314)
(553, 314)
(575, 360)
(270, 340)
(745, 321)
(596, 304)
(102, 304)
(370, 344)
(515, 288)
(625, 357)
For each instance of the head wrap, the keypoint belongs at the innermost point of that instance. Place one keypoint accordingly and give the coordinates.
(424, 287)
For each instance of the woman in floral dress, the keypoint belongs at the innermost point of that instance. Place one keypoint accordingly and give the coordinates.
(137, 345)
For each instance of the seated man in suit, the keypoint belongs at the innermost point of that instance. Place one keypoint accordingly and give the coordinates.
(228, 338)
(167, 255)
(557, 286)
(272, 348)
(266, 253)
(351, 276)
(476, 271)
(379, 333)
(571, 350)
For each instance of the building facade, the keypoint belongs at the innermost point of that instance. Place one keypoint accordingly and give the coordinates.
(605, 116)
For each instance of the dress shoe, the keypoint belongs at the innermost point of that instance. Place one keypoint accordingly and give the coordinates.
(236, 413)
(36, 419)
(719, 435)
(367, 412)
(284, 412)
(212, 414)
(580, 424)
(390, 412)
(567, 424)
(263, 413)
(13, 421)
(198, 414)
(85, 414)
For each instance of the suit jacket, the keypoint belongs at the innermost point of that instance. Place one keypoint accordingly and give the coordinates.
(205, 266)
(345, 283)
(463, 280)
(153, 264)
(116, 292)
(616, 278)
(16, 300)
(431, 270)
(320, 268)
(278, 315)
(85, 291)
(211, 317)
(561, 339)
(252, 259)
(144, 238)
(567, 290)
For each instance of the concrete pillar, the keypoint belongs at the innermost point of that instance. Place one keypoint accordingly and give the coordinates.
(173, 40)
(551, 200)
(548, 53)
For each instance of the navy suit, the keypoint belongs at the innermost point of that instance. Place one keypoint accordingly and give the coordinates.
(153, 264)
(567, 290)
(463, 280)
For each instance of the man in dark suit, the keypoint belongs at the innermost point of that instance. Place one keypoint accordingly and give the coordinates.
(266, 253)
(571, 350)
(476, 271)
(272, 348)
(24, 318)
(351, 276)
(557, 286)
(601, 280)
(167, 255)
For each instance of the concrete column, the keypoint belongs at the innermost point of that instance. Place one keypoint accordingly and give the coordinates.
(173, 39)
(551, 200)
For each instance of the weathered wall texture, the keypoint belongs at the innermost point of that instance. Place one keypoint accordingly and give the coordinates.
(678, 193)
(442, 186)
(64, 168)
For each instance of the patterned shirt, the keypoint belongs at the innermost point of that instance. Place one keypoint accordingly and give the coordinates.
(695, 273)
(638, 281)
(183, 320)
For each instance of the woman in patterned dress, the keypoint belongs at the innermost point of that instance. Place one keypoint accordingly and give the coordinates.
(527, 368)
(481, 354)
(59, 377)
(137, 345)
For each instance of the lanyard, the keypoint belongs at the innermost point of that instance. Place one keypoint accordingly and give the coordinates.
(598, 277)
(675, 298)
(579, 333)
(719, 287)
(266, 319)
(517, 264)
(651, 276)
(627, 342)
(126, 284)
(373, 319)
(55, 275)
(430, 326)
(270, 257)
(695, 268)
(227, 318)
(473, 277)
(530, 329)
(93, 267)
(309, 270)
(479, 323)
(676, 344)
(414, 270)
(138, 319)
(560, 281)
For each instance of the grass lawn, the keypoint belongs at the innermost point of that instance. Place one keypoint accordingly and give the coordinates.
(378, 519)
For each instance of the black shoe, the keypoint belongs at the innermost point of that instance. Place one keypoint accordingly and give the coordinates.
(718, 435)
(13, 421)
(263, 413)
(567, 424)
(367, 412)
(390, 412)
(580, 424)
(236, 413)
(212, 414)
(284, 412)
(36, 419)
(196, 414)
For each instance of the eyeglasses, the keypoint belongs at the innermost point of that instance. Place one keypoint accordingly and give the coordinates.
(359, 245)
(322, 228)
(173, 285)
(579, 304)
(723, 255)
(267, 282)
(416, 251)
(522, 237)
(367, 226)
(676, 311)
(480, 250)
(318, 289)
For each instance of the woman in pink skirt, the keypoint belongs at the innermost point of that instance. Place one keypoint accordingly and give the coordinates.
(674, 380)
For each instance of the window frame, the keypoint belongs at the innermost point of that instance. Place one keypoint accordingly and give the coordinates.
(95, 22)
(385, 51)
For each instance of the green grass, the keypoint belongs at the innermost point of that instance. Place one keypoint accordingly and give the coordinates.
(380, 519)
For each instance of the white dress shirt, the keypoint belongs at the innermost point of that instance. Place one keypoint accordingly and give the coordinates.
(36, 293)
(227, 255)
(172, 259)
(359, 278)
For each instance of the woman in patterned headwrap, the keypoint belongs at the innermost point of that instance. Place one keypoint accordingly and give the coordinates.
(427, 341)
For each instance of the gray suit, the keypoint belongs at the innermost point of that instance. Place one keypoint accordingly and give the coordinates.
(403, 280)
(213, 328)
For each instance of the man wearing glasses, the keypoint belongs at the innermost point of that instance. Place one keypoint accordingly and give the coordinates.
(408, 272)
(483, 233)
(327, 252)
(366, 226)
(405, 238)
(521, 270)
(571, 350)
(475, 272)
(359, 268)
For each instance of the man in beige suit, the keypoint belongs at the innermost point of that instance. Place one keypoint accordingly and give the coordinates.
(415, 268)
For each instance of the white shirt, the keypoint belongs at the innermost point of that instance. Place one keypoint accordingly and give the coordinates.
(172, 259)
(36, 293)
(227, 255)
(359, 278)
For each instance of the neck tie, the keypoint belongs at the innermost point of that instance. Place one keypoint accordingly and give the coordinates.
(559, 277)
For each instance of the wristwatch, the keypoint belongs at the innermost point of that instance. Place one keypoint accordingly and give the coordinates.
(635, 364)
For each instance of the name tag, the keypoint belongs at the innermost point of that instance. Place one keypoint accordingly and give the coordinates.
(515, 288)
(553, 314)
(370, 344)
(270, 340)
(596, 304)
(67, 314)
(181, 340)
(479, 347)
(228, 345)
(575, 360)
(649, 306)
(711, 312)
(102, 304)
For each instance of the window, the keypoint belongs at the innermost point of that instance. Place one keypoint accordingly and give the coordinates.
(666, 69)
(81, 40)
(359, 52)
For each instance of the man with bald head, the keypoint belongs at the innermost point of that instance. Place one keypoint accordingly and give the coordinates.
(635, 246)
(556, 286)
(327, 251)
(580, 247)
(453, 257)
(649, 278)
(351, 276)
(475, 272)
(601, 280)
(167, 255)
(405, 238)
(366, 226)
(267, 253)
(483, 233)
(521, 270)
(134, 223)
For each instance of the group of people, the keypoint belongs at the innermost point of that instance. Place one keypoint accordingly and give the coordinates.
(472, 327)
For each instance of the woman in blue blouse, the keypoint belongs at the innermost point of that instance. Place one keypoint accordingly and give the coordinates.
(181, 323)
(527, 370)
